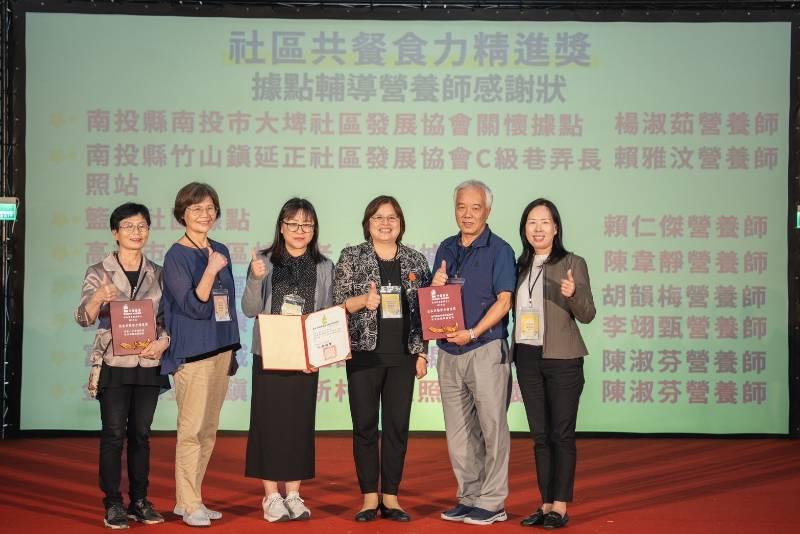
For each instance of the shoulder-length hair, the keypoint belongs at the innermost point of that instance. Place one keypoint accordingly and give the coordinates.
(558, 251)
(194, 193)
(278, 246)
(373, 207)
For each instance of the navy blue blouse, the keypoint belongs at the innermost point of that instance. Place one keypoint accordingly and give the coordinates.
(190, 322)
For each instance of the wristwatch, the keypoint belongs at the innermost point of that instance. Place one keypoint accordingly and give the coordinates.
(472, 336)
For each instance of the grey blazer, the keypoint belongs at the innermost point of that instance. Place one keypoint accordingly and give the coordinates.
(562, 338)
(149, 288)
(257, 296)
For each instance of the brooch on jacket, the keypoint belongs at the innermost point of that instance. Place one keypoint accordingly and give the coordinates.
(413, 284)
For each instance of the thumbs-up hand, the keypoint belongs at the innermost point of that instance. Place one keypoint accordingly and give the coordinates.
(258, 267)
(216, 261)
(568, 285)
(440, 276)
(373, 298)
(107, 291)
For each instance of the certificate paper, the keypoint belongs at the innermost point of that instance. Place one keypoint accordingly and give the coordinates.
(327, 338)
(302, 342)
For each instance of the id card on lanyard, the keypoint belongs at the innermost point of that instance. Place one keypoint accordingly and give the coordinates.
(219, 295)
(222, 310)
(391, 305)
(530, 324)
(461, 259)
(530, 316)
(292, 305)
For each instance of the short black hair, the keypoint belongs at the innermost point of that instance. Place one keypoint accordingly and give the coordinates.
(129, 209)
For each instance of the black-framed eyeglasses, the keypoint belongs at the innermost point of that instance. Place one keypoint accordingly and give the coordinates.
(306, 228)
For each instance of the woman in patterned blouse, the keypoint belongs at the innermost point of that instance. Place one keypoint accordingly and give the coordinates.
(377, 281)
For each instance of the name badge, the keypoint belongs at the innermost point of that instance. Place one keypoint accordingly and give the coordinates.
(391, 305)
(222, 310)
(292, 305)
(530, 324)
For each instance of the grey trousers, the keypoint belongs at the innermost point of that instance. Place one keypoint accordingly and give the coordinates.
(476, 389)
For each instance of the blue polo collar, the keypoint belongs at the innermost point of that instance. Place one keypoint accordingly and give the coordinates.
(481, 241)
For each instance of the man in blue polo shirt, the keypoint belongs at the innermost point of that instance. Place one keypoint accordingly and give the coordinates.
(474, 364)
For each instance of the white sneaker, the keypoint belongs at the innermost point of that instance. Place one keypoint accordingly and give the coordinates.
(212, 514)
(297, 510)
(274, 509)
(198, 518)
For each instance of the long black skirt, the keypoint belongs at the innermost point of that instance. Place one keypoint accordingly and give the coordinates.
(280, 442)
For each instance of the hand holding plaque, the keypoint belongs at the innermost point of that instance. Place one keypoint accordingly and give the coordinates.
(133, 326)
(441, 311)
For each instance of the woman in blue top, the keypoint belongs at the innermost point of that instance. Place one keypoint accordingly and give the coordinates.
(199, 312)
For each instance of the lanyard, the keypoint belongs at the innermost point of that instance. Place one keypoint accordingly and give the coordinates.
(135, 288)
(382, 268)
(201, 251)
(461, 259)
(530, 274)
(195, 244)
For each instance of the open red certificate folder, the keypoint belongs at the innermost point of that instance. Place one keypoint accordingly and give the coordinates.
(300, 342)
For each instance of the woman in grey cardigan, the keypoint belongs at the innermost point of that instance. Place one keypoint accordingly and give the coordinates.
(126, 386)
(552, 292)
(291, 277)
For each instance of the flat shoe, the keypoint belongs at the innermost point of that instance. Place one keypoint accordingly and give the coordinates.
(554, 520)
(394, 514)
(536, 518)
(370, 514)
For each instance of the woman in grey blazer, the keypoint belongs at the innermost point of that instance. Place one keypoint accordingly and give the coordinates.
(126, 386)
(553, 291)
(291, 277)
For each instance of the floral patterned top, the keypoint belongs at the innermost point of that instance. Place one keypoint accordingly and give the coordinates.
(356, 268)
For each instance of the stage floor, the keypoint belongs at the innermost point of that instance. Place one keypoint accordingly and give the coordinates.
(624, 485)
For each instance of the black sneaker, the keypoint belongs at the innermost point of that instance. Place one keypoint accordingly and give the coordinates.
(115, 516)
(142, 511)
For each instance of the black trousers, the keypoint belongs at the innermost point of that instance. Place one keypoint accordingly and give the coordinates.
(126, 411)
(390, 390)
(551, 390)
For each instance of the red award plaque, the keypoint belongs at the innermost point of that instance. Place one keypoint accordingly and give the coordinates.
(441, 311)
(133, 326)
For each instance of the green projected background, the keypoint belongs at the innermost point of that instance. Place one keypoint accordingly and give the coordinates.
(665, 147)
